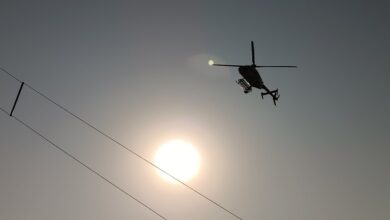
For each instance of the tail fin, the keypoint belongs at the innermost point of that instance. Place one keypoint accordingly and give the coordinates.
(275, 95)
(275, 98)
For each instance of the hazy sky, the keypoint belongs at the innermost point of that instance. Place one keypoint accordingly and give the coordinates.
(138, 71)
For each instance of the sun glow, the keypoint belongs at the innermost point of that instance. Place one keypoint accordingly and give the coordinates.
(178, 158)
(211, 62)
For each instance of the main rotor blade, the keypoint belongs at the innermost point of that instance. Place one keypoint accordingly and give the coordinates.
(253, 53)
(277, 66)
(215, 64)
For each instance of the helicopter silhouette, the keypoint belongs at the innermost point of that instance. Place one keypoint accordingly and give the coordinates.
(251, 77)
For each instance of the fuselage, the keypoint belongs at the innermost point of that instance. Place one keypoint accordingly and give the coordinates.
(250, 74)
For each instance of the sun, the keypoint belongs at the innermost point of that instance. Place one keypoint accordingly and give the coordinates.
(178, 158)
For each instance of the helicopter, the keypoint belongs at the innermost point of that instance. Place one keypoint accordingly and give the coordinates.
(251, 77)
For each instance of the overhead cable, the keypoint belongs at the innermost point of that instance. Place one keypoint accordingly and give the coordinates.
(123, 146)
(84, 165)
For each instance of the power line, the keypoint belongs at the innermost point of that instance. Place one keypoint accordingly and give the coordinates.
(8, 73)
(133, 152)
(85, 165)
(123, 146)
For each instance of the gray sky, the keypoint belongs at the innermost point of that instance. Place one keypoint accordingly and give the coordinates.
(138, 71)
